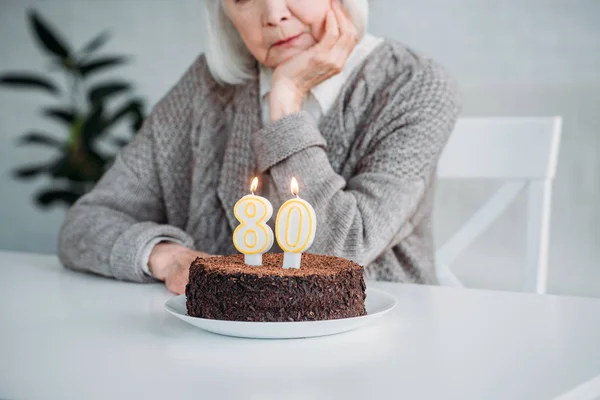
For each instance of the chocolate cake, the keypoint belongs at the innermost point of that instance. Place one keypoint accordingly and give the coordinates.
(324, 287)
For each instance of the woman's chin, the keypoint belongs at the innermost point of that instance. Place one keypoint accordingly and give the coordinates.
(283, 55)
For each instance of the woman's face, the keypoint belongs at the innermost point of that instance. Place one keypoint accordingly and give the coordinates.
(276, 30)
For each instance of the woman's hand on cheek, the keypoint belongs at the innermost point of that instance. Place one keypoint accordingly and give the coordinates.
(298, 75)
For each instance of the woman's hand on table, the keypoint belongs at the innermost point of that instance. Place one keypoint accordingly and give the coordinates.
(294, 78)
(170, 262)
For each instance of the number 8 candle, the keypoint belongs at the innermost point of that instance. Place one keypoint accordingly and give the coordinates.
(295, 227)
(253, 237)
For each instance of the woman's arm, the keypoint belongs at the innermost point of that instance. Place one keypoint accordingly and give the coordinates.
(361, 217)
(109, 230)
(106, 231)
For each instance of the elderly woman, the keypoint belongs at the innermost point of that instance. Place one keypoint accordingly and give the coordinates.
(285, 88)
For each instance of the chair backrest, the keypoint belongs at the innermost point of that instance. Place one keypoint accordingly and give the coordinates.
(502, 148)
(522, 151)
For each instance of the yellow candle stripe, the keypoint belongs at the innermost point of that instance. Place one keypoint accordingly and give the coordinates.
(294, 203)
(287, 227)
(243, 223)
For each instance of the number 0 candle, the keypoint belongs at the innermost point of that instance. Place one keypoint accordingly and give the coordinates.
(295, 227)
(253, 237)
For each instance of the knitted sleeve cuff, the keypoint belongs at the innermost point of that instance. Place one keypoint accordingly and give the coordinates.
(285, 137)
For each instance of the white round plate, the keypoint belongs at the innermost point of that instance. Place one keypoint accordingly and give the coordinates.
(377, 304)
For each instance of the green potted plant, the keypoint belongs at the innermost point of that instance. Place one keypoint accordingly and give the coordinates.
(88, 113)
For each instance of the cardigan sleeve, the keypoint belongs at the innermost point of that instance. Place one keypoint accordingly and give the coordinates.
(108, 230)
(361, 217)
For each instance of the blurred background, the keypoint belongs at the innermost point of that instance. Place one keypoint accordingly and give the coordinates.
(510, 58)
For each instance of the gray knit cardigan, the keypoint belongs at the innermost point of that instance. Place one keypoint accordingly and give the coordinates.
(367, 168)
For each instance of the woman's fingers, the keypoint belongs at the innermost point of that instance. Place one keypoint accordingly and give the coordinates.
(332, 32)
(335, 48)
(346, 26)
(339, 53)
(179, 281)
(348, 32)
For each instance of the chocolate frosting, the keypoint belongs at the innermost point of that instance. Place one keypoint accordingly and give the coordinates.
(324, 287)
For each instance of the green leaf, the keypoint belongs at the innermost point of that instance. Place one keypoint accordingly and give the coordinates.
(93, 126)
(63, 64)
(66, 116)
(97, 160)
(100, 93)
(139, 118)
(49, 197)
(79, 165)
(63, 168)
(48, 39)
(136, 112)
(75, 130)
(96, 43)
(30, 171)
(89, 67)
(67, 167)
(40, 138)
(130, 109)
(28, 81)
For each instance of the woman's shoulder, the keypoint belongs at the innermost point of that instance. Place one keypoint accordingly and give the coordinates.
(196, 83)
(195, 95)
(397, 68)
(401, 88)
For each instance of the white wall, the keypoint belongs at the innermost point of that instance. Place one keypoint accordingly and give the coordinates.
(523, 58)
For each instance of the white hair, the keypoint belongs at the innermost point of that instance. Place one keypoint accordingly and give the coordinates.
(228, 59)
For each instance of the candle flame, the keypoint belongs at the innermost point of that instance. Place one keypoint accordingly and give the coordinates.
(295, 189)
(254, 185)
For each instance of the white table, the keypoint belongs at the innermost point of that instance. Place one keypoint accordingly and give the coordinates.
(67, 335)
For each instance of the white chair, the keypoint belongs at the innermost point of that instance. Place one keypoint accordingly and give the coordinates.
(521, 151)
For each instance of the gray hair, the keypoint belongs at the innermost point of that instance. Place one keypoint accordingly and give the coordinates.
(228, 59)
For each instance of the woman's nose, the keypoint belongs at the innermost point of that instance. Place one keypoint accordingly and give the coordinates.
(275, 12)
